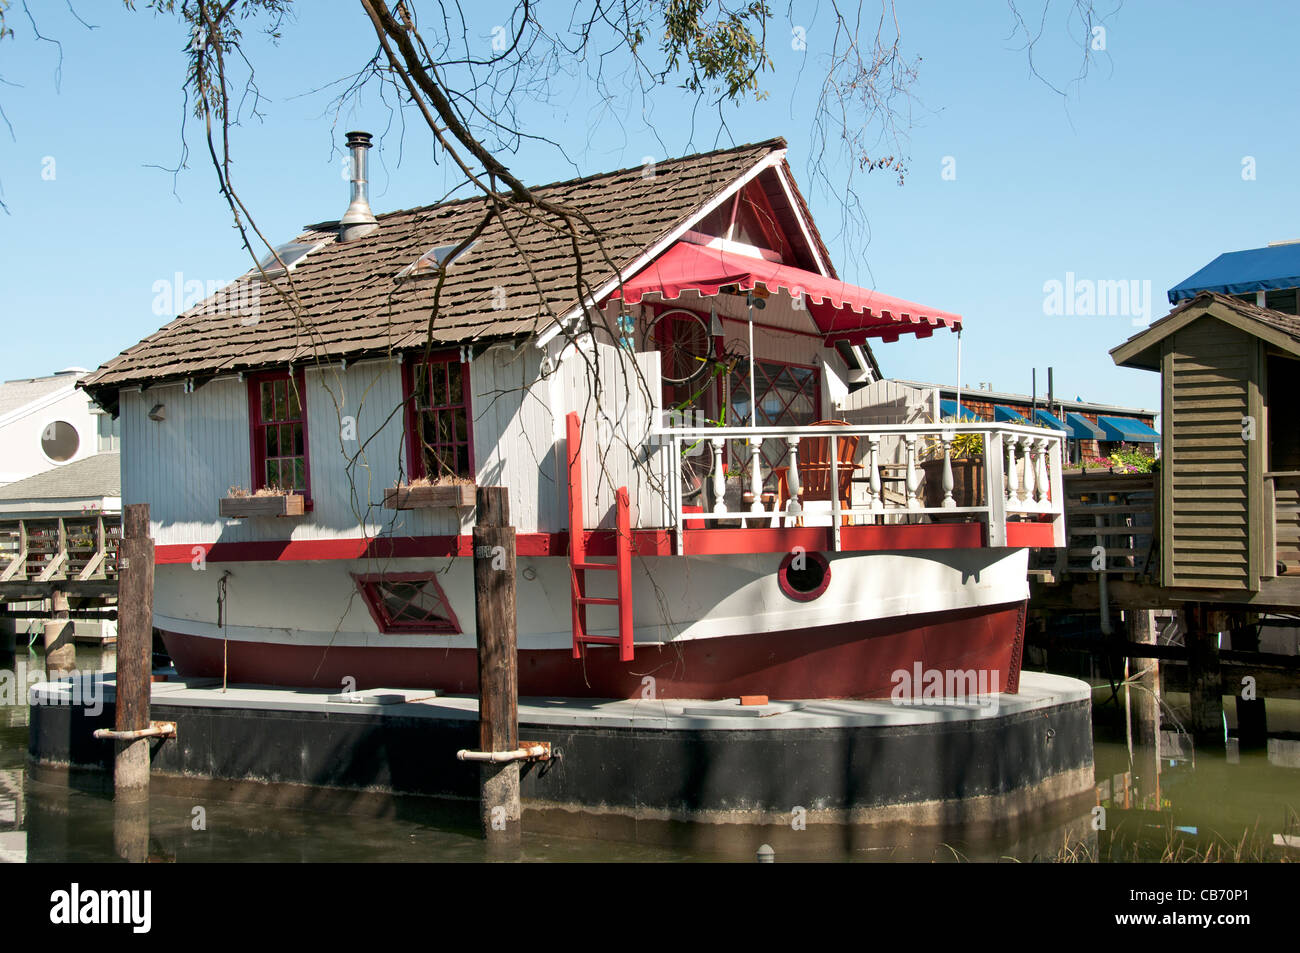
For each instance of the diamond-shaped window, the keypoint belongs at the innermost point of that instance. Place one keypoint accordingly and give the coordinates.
(409, 602)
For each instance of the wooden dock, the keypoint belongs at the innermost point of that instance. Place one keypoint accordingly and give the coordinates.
(59, 569)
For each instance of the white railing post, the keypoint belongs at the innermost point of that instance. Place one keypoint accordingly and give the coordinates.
(997, 501)
(946, 439)
(719, 478)
(913, 479)
(874, 492)
(675, 493)
(835, 492)
(755, 476)
(1057, 492)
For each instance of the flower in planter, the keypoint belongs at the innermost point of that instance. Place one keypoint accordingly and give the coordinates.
(238, 492)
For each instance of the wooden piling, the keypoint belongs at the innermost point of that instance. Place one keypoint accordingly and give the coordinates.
(134, 652)
(1146, 687)
(60, 649)
(498, 673)
(1202, 625)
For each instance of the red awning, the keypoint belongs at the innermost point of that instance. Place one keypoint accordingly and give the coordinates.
(841, 311)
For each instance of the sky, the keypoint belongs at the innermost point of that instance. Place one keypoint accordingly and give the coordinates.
(1174, 148)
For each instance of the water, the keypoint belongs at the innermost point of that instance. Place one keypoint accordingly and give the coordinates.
(1179, 805)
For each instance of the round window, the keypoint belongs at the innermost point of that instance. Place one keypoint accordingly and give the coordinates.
(804, 576)
(59, 441)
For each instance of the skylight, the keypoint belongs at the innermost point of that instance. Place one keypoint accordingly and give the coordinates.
(433, 260)
(290, 253)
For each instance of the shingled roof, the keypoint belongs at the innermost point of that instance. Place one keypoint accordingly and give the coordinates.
(1140, 349)
(352, 305)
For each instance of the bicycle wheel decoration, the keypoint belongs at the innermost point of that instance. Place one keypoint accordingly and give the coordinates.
(682, 338)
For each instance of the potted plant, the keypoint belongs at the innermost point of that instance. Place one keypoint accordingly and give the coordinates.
(239, 503)
(423, 493)
(967, 460)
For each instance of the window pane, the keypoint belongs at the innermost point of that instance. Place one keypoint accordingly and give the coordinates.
(300, 474)
(295, 411)
(268, 401)
(455, 394)
(298, 443)
(272, 473)
(280, 399)
(439, 385)
(272, 448)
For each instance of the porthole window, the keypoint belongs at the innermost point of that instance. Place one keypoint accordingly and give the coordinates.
(59, 441)
(804, 576)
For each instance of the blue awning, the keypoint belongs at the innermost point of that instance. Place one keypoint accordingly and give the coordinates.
(1127, 428)
(1006, 413)
(948, 408)
(1244, 272)
(1049, 419)
(1081, 428)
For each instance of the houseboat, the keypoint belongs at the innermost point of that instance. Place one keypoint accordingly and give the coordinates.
(701, 509)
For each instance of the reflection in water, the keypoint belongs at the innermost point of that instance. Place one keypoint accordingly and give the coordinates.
(1168, 801)
(1160, 801)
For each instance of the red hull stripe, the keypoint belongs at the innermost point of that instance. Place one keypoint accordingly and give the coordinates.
(646, 542)
(852, 660)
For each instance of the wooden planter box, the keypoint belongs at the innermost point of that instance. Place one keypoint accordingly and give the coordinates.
(238, 507)
(423, 497)
(967, 482)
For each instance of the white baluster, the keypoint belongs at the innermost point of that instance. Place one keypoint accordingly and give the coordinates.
(946, 439)
(719, 478)
(1013, 483)
(913, 477)
(1031, 473)
(1040, 471)
(755, 477)
(875, 495)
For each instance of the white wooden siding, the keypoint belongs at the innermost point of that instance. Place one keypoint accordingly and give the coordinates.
(185, 463)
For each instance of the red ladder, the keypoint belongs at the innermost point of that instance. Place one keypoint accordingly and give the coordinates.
(579, 564)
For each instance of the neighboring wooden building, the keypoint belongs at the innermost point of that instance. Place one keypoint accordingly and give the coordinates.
(1229, 484)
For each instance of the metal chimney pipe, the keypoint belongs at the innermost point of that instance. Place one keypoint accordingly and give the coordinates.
(358, 221)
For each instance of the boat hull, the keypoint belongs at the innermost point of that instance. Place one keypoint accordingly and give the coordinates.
(705, 627)
(851, 660)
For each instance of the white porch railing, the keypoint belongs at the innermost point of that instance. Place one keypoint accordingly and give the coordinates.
(1021, 475)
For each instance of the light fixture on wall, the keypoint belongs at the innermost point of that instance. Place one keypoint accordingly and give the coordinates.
(158, 412)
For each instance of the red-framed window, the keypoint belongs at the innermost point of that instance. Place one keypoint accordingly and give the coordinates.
(407, 602)
(439, 438)
(278, 423)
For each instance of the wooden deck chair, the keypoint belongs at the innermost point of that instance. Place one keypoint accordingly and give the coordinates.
(815, 468)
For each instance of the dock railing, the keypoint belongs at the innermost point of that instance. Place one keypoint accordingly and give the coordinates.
(1110, 526)
(52, 549)
(1016, 476)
